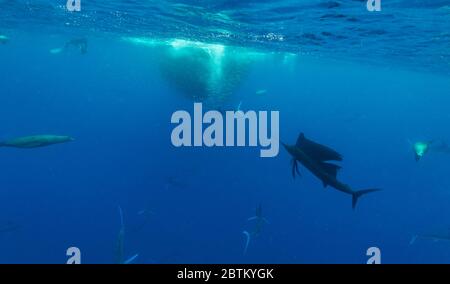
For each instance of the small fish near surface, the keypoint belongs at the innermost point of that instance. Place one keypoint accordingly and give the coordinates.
(36, 141)
(420, 149)
(261, 92)
(315, 157)
(3, 39)
(79, 44)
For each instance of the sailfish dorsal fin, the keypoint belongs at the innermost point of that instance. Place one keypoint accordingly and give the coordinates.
(330, 169)
(317, 151)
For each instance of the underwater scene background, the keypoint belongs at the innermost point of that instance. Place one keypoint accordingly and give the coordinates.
(367, 84)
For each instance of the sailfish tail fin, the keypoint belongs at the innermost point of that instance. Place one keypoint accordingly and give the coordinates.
(358, 194)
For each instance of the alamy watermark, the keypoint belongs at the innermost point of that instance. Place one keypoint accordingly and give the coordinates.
(74, 255)
(190, 131)
(375, 255)
(73, 5)
(374, 5)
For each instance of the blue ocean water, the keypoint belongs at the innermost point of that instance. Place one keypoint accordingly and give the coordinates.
(367, 84)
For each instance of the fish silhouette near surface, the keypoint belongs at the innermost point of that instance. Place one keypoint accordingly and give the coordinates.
(3, 39)
(316, 158)
(422, 148)
(80, 44)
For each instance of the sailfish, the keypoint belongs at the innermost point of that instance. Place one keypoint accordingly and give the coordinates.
(434, 237)
(119, 250)
(260, 221)
(316, 158)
